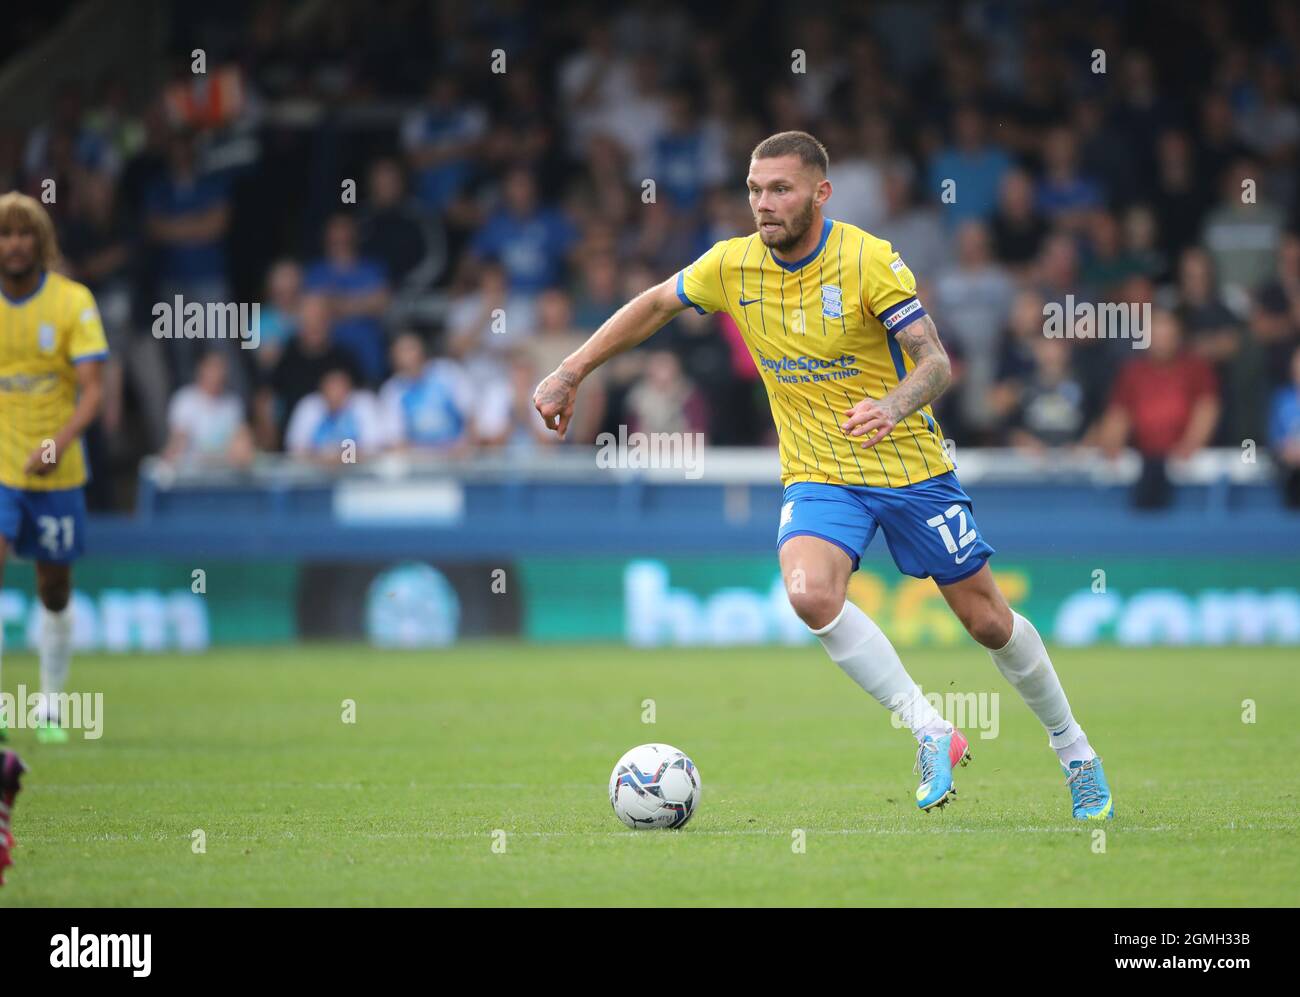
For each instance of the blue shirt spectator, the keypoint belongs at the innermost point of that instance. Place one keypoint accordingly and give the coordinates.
(529, 241)
(188, 216)
(440, 142)
(358, 293)
(425, 404)
(975, 167)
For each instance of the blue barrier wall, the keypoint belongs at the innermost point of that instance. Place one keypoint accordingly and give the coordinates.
(640, 517)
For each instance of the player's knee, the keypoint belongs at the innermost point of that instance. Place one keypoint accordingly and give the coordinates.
(816, 601)
(988, 623)
(54, 593)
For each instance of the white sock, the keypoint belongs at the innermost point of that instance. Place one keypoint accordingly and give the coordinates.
(1079, 750)
(56, 654)
(857, 645)
(1025, 664)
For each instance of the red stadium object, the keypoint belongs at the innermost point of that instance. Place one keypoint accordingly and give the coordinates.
(11, 770)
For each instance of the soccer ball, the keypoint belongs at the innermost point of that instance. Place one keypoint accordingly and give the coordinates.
(654, 785)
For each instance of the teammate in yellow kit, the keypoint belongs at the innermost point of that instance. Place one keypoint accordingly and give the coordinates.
(52, 349)
(852, 363)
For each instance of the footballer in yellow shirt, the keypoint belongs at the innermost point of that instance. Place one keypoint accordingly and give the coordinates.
(51, 350)
(852, 364)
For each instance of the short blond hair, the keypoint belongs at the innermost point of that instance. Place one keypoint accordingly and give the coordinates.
(18, 211)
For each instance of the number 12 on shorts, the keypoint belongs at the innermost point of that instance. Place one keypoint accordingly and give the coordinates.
(964, 536)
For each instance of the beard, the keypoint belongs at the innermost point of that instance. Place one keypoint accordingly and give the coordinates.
(794, 230)
(19, 271)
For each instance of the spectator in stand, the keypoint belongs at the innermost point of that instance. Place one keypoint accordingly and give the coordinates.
(397, 233)
(188, 217)
(858, 171)
(1213, 330)
(357, 290)
(1065, 197)
(598, 294)
(505, 416)
(1056, 271)
(554, 339)
(974, 165)
(1284, 433)
(441, 142)
(97, 244)
(426, 404)
(1243, 232)
(1016, 361)
(530, 241)
(664, 400)
(1018, 228)
(915, 231)
(337, 424)
(299, 370)
(279, 313)
(1270, 126)
(1179, 202)
(1109, 262)
(1166, 404)
(1283, 291)
(1050, 406)
(973, 300)
(205, 421)
(1217, 144)
(1260, 366)
(683, 156)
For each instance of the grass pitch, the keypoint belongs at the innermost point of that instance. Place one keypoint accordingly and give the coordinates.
(297, 807)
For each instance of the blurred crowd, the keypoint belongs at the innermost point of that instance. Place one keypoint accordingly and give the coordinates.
(520, 172)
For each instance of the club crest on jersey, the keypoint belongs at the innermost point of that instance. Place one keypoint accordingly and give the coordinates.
(832, 301)
(45, 337)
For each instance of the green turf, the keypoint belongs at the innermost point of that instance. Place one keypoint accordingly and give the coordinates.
(400, 808)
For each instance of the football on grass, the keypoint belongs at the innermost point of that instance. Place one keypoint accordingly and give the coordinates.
(654, 785)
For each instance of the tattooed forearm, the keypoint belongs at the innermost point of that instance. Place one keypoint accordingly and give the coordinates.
(929, 376)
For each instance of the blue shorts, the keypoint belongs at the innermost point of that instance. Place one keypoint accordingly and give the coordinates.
(928, 526)
(49, 527)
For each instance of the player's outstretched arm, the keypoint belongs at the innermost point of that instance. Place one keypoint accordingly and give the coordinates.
(634, 323)
(930, 375)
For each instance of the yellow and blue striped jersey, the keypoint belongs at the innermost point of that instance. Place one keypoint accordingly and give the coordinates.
(42, 337)
(821, 331)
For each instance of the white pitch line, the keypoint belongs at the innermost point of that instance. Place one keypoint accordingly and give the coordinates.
(631, 835)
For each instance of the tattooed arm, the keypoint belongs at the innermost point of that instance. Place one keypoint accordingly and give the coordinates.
(926, 381)
(634, 323)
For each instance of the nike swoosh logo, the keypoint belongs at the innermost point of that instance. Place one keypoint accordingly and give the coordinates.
(962, 559)
(743, 302)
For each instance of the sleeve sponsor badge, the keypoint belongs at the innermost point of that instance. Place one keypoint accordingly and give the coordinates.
(903, 275)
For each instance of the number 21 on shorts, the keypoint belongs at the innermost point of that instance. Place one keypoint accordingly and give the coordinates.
(54, 528)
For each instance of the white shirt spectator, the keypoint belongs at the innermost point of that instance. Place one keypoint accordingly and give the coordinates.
(207, 424)
(314, 429)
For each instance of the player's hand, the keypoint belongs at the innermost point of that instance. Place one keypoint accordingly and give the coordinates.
(37, 465)
(555, 397)
(870, 419)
